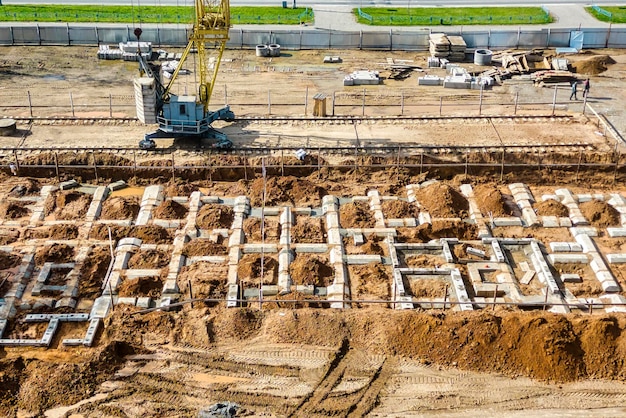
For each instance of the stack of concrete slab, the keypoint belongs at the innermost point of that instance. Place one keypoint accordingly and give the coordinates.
(439, 45)
(457, 48)
(105, 52)
(359, 78)
(145, 99)
(459, 79)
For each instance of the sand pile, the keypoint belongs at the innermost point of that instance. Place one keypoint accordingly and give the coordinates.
(9, 236)
(24, 187)
(600, 214)
(93, 272)
(442, 201)
(424, 261)
(288, 190)
(72, 158)
(120, 208)
(490, 199)
(438, 229)
(141, 287)
(551, 207)
(215, 216)
(180, 189)
(149, 259)
(371, 281)
(427, 288)
(311, 270)
(208, 280)
(151, 234)
(396, 209)
(55, 231)
(55, 253)
(8, 261)
(593, 65)
(13, 210)
(308, 230)
(252, 229)
(249, 269)
(170, 209)
(68, 205)
(201, 247)
(356, 215)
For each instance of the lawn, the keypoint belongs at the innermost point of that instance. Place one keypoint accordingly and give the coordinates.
(614, 14)
(427, 16)
(148, 14)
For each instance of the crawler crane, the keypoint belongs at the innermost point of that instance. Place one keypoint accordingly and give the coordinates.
(182, 116)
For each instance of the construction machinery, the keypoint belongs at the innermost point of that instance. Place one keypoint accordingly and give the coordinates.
(187, 116)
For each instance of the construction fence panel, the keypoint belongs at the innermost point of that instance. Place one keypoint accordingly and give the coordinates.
(595, 38)
(616, 38)
(533, 39)
(558, 38)
(346, 40)
(55, 35)
(317, 40)
(6, 36)
(410, 41)
(112, 36)
(23, 35)
(478, 39)
(288, 40)
(503, 39)
(176, 36)
(253, 38)
(376, 40)
(82, 36)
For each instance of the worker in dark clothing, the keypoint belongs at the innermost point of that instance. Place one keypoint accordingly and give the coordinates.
(586, 86)
(574, 90)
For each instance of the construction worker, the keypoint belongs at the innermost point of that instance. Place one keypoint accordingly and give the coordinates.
(574, 90)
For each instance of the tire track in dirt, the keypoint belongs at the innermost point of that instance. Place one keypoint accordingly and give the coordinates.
(368, 401)
(333, 375)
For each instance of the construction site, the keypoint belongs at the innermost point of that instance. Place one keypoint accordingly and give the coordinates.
(352, 233)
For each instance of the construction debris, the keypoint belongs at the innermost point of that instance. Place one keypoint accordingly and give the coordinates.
(545, 70)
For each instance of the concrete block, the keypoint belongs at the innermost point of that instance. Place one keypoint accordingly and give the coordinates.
(237, 237)
(424, 218)
(610, 287)
(528, 277)
(447, 253)
(101, 193)
(616, 232)
(92, 330)
(70, 184)
(565, 222)
(117, 185)
(170, 287)
(126, 301)
(358, 259)
(129, 241)
(232, 296)
(568, 258)
(571, 278)
(550, 221)
(144, 302)
(334, 237)
(100, 308)
(560, 247)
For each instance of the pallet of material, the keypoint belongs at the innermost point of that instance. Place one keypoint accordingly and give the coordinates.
(553, 76)
(457, 43)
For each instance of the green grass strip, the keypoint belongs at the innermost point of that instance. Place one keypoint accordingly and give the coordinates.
(148, 14)
(436, 16)
(613, 14)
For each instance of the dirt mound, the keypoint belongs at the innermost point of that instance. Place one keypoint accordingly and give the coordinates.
(490, 199)
(120, 208)
(72, 158)
(93, 272)
(149, 259)
(311, 270)
(55, 253)
(205, 283)
(249, 269)
(551, 207)
(8, 261)
(180, 189)
(438, 229)
(600, 214)
(424, 261)
(151, 234)
(427, 288)
(13, 210)
(356, 215)
(308, 230)
(24, 187)
(170, 209)
(67, 204)
(54, 231)
(593, 65)
(215, 216)
(460, 251)
(395, 209)
(371, 281)
(9, 236)
(202, 247)
(442, 201)
(286, 191)
(252, 229)
(141, 287)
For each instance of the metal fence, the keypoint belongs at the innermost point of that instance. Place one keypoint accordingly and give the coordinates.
(608, 37)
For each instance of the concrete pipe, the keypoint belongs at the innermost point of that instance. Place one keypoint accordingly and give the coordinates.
(274, 50)
(262, 51)
(7, 127)
(482, 57)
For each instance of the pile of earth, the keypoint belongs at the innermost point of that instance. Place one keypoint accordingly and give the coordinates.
(460, 251)
(180, 189)
(141, 287)
(551, 207)
(372, 245)
(593, 65)
(422, 288)
(356, 215)
(249, 269)
(67, 204)
(24, 187)
(148, 234)
(8, 260)
(399, 209)
(205, 280)
(93, 272)
(170, 209)
(424, 261)
(287, 190)
(55, 253)
(215, 216)
(9, 236)
(308, 230)
(252, 229)
(149, 259)
(600, 214)
(491, 200)
(121, 208)
(72, 158)
(59, 232)
(438, 229)
(442, 201)
(311, 270)
(203, 247)
(13, 210)
(371, 281)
